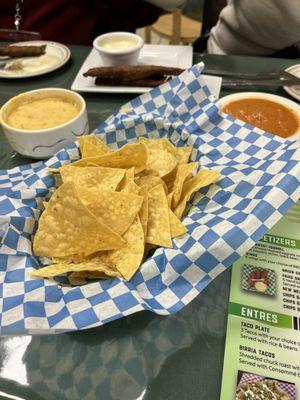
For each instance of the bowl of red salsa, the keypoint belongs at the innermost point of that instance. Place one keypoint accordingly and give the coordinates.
(271, 113)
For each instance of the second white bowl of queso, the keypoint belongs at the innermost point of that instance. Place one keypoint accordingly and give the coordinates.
(118, 48)
(39, 123)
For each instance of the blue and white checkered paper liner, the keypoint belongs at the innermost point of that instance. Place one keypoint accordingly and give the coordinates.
(126, 364)
(260, 181)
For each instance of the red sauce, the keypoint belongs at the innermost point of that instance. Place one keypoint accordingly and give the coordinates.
(265, 114)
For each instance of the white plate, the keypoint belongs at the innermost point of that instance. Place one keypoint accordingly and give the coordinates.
(294, 91)
(272, 97)
(165, 55)
(53, 48)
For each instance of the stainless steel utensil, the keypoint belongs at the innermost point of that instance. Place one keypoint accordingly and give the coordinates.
(234, 83)
(271, 75)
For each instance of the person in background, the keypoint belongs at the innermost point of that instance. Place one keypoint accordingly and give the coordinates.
(258, 28)
(80, 21)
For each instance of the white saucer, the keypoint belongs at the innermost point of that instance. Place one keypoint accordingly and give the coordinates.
(294, 91)
(59, 50)
(165, 55)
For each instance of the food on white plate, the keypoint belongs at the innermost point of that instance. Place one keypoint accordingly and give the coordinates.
(15, 51)
(31, 64)
(132, 75)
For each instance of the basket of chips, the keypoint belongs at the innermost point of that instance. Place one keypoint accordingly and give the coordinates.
(142, 215)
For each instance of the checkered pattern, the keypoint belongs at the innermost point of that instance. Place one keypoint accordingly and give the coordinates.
(127, 363)
(260, 181)
(12, 177)
(289, 388)
(271, 289)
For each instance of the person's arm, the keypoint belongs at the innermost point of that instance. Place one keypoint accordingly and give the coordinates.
(256, 27)
(167, 4)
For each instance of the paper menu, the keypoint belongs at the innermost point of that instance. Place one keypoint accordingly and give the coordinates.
(262, 352)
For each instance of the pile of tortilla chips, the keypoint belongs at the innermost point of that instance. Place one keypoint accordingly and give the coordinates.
(113, 206)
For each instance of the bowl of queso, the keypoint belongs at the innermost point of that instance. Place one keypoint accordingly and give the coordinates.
(39, 123)
(271, 113)
(118, 48)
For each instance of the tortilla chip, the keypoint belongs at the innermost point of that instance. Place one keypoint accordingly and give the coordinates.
(169, 198)
(161, 161)
(170, 178)
(158, 218)
(100, 177)
(203, 178)
(72, 258)
(90, 275)
(115, 209)
(130, 155)
(87, 138)
(91, 146)
(92, 150)
(159, 144)
(128, 259)
(53, 170)
(150, 182)
(167, 145)
(183, 172)
(62, 260)
(128, 176)
(143, 213)
(146, 172)
(183, 154)
(176, 226)
(94, 264)
(67, 227)
(128, 184)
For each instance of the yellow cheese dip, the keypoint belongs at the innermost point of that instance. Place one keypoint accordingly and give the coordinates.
(42, 114)
(118, 43)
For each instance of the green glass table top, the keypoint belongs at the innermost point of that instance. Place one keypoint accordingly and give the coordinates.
(143, 356)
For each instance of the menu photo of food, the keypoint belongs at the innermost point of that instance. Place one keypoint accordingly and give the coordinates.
(259, 280)
(257, 387)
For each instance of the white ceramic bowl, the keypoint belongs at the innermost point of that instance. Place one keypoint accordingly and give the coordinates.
(267, 96)
(44, 143)
(113, 57)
